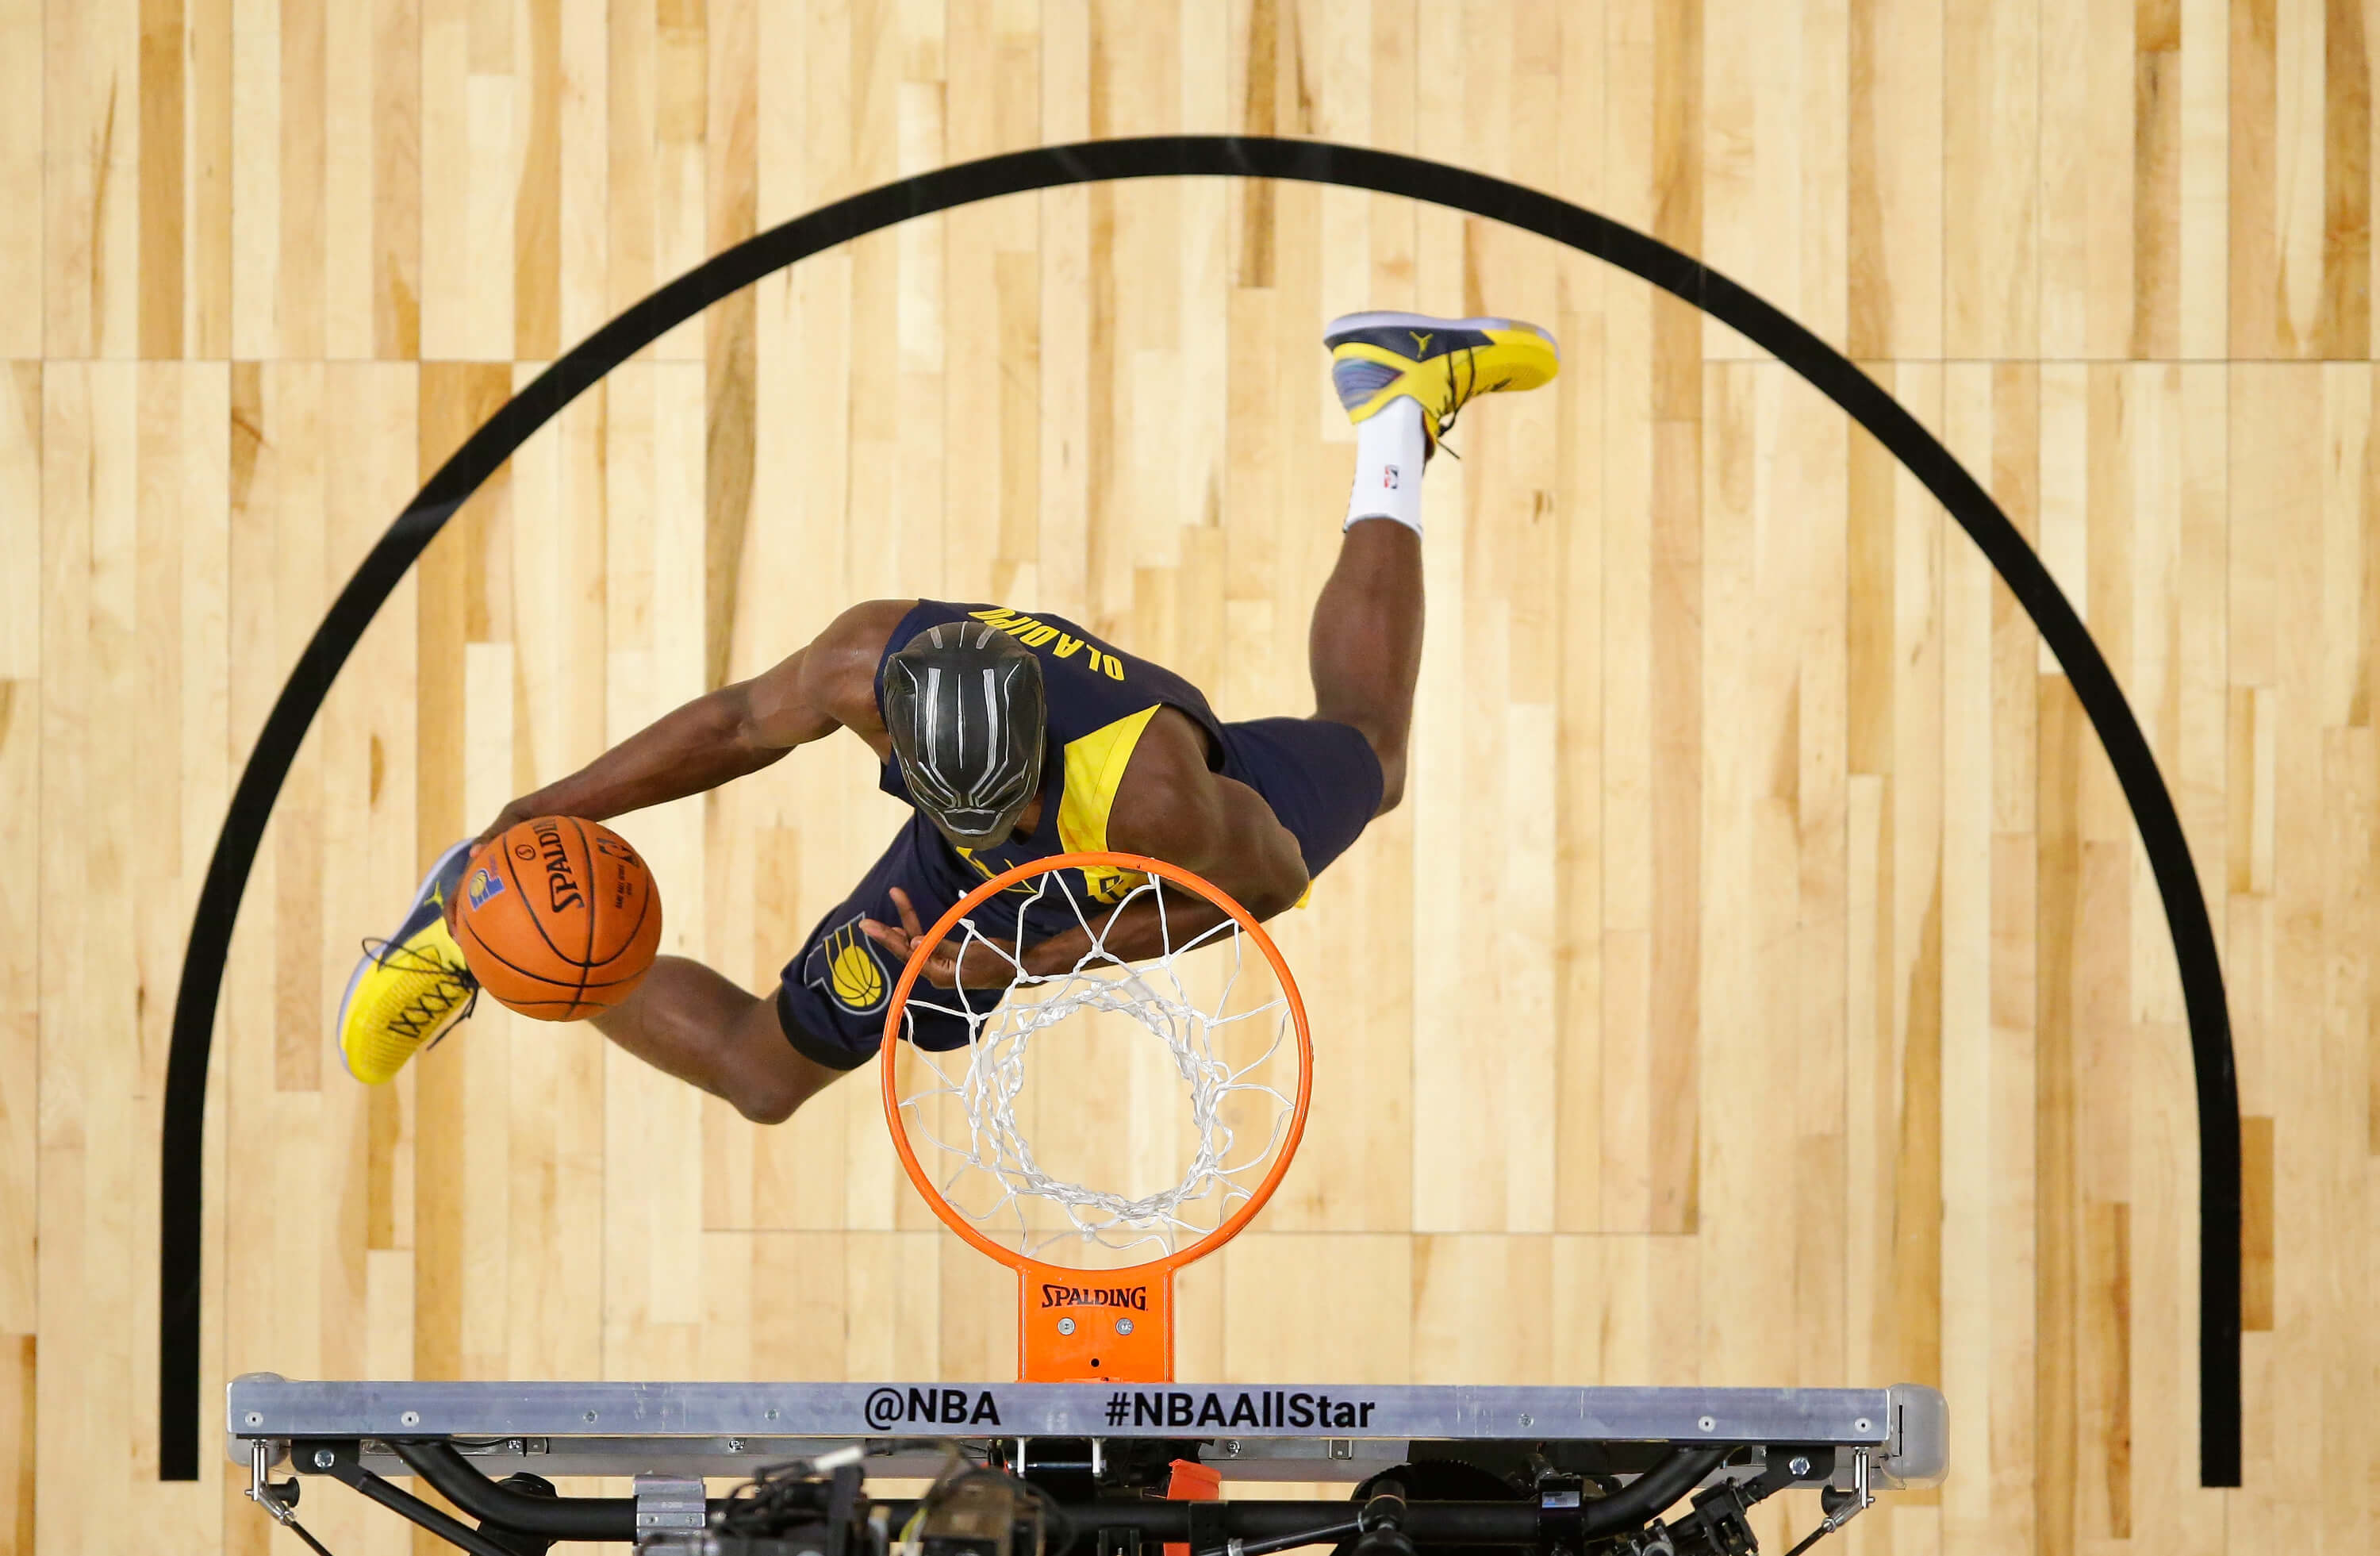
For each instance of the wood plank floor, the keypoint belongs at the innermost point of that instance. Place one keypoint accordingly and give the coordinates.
(1763, 982)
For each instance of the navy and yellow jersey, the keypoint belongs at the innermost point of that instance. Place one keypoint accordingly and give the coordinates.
(1099, 701)
(1321, 779)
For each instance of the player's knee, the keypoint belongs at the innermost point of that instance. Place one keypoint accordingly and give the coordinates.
(1388, 743)
(1386, 740)
(767, 1108)
(765, 1099)
(771, 1078)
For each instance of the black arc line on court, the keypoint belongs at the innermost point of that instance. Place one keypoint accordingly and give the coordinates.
(2094, 685)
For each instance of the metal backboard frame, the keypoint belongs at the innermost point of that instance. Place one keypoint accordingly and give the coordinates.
(1278, 1431)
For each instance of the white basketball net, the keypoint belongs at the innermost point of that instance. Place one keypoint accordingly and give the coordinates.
(975, 1091)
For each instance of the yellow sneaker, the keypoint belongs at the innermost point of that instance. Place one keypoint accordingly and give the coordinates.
(1442, 363)
(411, 987)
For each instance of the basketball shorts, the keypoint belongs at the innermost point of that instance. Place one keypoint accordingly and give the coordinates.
(1320, 777)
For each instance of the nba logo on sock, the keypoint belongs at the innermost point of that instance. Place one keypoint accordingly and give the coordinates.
(484, 884)
(1389, 477)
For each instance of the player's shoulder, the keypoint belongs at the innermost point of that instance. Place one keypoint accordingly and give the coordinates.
(838, 666)
(868, 625)
(1164, 804)
(855, 641)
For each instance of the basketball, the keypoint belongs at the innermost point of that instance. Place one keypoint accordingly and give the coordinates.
(558, 917)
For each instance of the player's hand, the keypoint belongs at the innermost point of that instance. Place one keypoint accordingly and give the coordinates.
(984, 967)
(508, 818)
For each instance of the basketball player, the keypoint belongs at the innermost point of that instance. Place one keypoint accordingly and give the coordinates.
(1014, 737)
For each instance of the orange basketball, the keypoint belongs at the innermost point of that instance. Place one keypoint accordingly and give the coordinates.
(558, 917)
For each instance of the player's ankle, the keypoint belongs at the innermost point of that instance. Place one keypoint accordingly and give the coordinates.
(1390, 450)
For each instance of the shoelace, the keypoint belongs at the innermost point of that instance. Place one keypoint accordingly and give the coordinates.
(1461, 395)
(452, 985)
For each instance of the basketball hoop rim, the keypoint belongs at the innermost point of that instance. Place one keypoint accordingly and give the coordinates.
(1231, 1225)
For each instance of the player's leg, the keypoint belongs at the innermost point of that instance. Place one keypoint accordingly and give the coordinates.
(768, 1054)
(1402, 377)
(1364, 649)
(693, 1022)
(410, 990)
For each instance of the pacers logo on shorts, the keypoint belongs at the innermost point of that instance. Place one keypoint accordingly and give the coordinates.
(484, 884)
(845, 965)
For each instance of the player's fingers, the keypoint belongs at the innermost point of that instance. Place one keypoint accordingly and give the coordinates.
(908, 912)
(886, 936)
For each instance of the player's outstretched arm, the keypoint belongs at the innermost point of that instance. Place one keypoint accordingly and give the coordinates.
(737, 730)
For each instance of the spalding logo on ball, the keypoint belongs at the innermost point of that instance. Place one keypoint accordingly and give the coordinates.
(559, 918)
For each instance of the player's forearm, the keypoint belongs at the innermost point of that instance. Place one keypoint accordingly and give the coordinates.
(692, 749)
(1146, 927)
(1140, 931)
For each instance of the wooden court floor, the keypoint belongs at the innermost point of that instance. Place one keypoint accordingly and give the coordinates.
(1763, 983)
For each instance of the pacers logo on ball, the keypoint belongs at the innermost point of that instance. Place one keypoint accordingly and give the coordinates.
(484, 884)
(845, 965)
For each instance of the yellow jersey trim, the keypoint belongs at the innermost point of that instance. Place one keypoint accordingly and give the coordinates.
(1095, 768)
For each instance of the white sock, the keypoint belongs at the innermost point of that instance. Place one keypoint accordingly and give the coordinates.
(1389, 449)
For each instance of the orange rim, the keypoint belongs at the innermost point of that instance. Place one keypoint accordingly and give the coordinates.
(1164, 1263)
